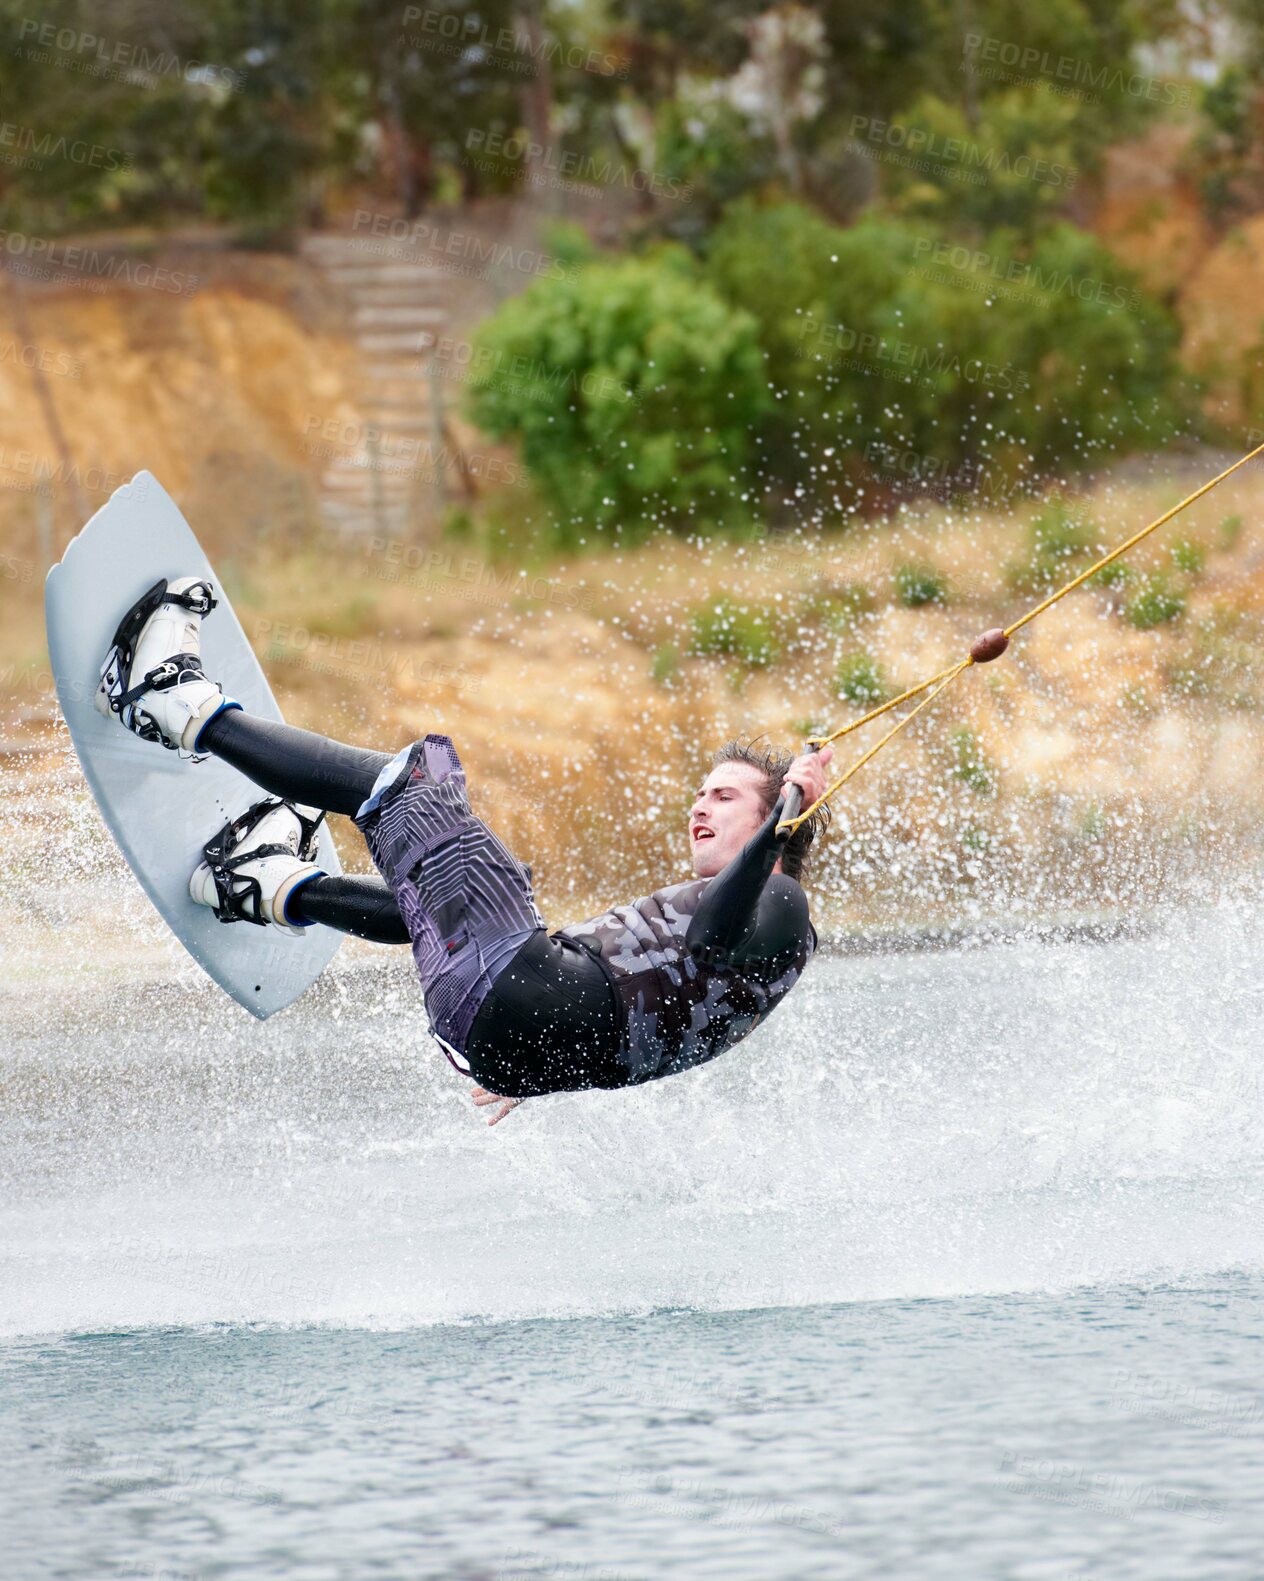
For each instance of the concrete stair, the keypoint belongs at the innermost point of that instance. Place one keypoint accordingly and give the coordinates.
(396, 309)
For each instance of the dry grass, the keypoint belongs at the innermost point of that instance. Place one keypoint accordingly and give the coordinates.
(1114, 755)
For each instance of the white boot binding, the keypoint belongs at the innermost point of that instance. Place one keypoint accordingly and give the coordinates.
(179, 699)
(277, 867)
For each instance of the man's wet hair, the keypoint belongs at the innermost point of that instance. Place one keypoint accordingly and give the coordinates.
(772, 764)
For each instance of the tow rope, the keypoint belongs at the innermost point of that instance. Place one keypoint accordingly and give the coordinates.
(986, 647)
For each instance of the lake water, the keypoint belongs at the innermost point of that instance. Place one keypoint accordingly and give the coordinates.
(952, 1269)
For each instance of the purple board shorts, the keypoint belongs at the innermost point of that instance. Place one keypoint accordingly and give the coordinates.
(465, 899)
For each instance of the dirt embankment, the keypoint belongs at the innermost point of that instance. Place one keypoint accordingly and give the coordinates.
(1101, 757)
(210, 386)
(1151, 212)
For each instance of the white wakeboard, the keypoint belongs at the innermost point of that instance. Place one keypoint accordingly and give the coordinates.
(162, 809)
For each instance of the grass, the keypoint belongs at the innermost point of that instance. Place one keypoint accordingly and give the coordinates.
(859, 680)
(665, 664)
(1188, 556)
(837, 609)
(1156, 604)
(735, 631)
(916, 585)
(970, 763)
(1058, 537)
(1114, 575)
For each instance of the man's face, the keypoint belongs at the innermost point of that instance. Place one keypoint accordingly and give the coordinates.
(727, 811)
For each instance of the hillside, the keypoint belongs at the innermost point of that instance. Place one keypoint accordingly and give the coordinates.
(1096, 766)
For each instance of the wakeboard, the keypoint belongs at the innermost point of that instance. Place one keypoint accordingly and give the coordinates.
(160, 808)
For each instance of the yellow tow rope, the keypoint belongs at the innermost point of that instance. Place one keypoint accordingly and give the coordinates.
(983, 650)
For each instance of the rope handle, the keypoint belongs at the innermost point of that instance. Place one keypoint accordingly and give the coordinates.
(790, 806)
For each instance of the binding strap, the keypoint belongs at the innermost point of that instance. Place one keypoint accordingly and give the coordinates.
(234, 889)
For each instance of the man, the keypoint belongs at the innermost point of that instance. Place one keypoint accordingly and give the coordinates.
(640, 992)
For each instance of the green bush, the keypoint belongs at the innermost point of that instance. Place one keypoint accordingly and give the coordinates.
(708, 150)
(916, 585)
(859, 680)
(1116, 574)
(1156, 603)
(874, 344)
(837, 609)
(1230, 531)
(1013, 133)
(1058, 538)
(633, 390)
(664, 664)
(970, 764)
(568, 243)
(1189, 557)
(736, 631)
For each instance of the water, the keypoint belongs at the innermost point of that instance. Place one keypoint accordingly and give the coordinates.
(953, 1269)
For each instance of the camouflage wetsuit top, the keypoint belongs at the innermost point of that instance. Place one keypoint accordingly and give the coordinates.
(682, 1011)
(649, 988)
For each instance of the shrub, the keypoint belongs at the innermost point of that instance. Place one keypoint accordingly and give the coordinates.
(1012, 130)
(839, 608)
(1059, 533)
(859, 680)
(1116, 574)
(1190, 678)
(1230, 531)
(664, 664)
(1188, 556)
(1155, 604)
(1058, 537)
(970, 764)
(916, 585)
(736, 631)
(633, 390)
(872, 344)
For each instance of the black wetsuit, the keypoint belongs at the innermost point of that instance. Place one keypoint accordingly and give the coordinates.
(647, 989)
(640, 992)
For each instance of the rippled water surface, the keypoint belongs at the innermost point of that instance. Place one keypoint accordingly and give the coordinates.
(952, 1269)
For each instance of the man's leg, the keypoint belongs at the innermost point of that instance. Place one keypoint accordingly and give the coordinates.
(304, 767)
(356, 903)
(298, 765)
